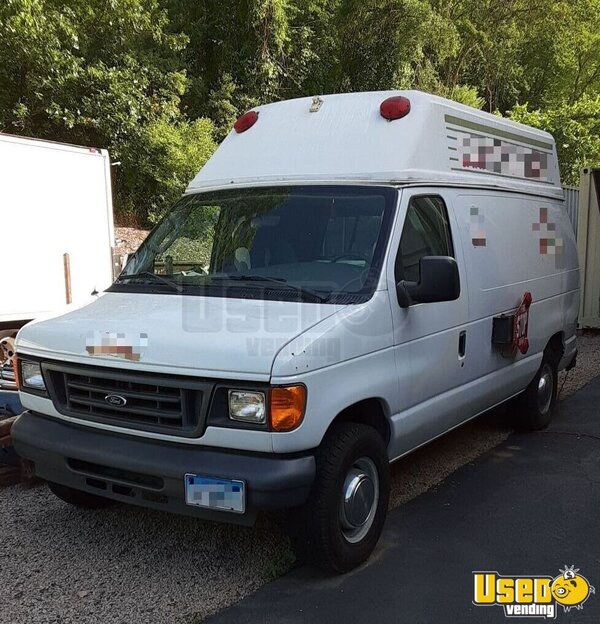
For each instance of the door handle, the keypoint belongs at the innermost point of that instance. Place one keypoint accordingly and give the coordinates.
(462, 344)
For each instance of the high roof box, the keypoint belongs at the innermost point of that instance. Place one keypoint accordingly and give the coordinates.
(344, 138)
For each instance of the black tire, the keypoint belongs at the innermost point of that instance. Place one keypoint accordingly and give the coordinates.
(78, 498)
(535, 405)
(322, 531)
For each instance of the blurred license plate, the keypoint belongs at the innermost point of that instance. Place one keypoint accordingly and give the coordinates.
(224, 494)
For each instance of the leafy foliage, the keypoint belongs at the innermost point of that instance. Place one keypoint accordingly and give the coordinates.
(104, 74)
(157, 82)
(576, 128)
(161, 161)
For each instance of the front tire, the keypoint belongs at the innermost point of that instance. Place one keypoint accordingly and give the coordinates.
(535, 405)
(344, 515)
(78, 498)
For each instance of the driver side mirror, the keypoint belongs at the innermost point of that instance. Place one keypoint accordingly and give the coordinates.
(439, 281)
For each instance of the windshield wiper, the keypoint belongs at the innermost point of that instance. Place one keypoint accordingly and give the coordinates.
(149, 275)
(280, 281)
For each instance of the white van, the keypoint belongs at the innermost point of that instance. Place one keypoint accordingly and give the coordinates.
(348, 278)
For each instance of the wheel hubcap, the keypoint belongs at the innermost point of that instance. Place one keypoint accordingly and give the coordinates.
(360, 495)
(545, 390)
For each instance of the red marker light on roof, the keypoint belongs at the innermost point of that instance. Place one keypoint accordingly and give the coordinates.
(395, 107)
(245, 122)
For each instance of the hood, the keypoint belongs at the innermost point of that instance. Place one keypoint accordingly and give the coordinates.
(204, 336)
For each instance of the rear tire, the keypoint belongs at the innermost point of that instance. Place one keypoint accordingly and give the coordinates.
(535, 405)
(78, 498)
(339, 526)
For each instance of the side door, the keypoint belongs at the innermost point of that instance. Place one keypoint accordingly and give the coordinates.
(431, 340)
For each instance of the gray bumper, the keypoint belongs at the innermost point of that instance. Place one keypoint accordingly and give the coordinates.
(151, 473)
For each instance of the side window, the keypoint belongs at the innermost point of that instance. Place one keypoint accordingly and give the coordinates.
(426, 232)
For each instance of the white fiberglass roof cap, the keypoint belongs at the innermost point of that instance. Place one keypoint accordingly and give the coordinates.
(344, 138)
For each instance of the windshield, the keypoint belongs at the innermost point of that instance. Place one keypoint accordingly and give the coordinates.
(306, 243)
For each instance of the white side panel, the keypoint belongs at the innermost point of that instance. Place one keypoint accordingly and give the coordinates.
(342, 360)
(54, 200)
(108, 198)
(505, 245)
(332, 389)
(428, 420)
(432, 377)
(516, 244)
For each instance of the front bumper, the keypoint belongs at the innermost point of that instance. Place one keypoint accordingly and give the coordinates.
(151, 473)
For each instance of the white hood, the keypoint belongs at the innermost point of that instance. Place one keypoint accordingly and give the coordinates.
(204, 336)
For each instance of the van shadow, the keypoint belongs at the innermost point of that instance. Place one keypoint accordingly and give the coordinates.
(431, 464)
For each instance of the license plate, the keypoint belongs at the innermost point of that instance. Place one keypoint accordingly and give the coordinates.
(212, 493)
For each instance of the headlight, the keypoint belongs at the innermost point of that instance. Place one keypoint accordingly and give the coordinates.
(247, 406)
(31, 376)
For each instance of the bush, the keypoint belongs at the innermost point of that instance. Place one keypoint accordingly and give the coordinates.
(158, 165)
(576, 129)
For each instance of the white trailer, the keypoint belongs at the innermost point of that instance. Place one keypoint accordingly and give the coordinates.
(56, 223)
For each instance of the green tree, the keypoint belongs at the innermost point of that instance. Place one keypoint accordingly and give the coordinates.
(381, 43)
(137, 75)
(561, 54)
(91, 72)
(576, 129)
(540, 52)
(247, 52)
(161, 161)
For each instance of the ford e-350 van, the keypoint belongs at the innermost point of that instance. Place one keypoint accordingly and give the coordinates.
(348, 278)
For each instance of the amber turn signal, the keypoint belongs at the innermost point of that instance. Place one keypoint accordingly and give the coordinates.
(17, 370)
(287, 407)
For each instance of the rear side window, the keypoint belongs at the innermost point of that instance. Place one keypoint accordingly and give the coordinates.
(426, 232)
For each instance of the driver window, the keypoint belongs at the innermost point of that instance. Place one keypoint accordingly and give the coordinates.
(426, 232)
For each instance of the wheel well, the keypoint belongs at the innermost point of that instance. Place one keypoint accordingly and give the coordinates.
(555, 347)
(367, 412)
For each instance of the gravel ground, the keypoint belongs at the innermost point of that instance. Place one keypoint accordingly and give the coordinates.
(588, 364)
(128, 239)
(133, 566)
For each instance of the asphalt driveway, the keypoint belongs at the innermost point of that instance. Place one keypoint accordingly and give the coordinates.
(527, 507)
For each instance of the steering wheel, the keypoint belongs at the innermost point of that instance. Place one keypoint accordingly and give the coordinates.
(351, 256)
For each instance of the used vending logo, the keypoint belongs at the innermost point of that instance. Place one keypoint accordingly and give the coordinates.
(532, 596)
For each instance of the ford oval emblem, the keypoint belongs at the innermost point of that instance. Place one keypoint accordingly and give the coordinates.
(116, 400)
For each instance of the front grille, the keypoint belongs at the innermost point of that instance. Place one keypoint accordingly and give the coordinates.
(7, 377)
(145, 402)
(138, 400)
